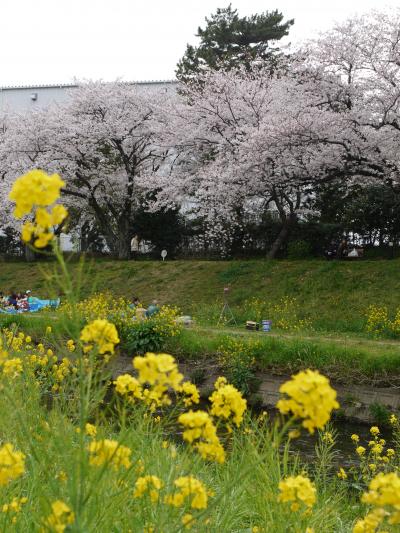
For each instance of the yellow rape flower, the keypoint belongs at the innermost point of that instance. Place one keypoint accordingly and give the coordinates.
(187, 520)
(201, 433)
(12, 367)
(35, 191)
(70, 345)
(191, 490)
(101, 333)
(12, 464)
(360, 450)
(15, 506)
(191, 393)
(374, 430)
(298, 490)
(341, 474)
(36, 188)
(148, 484)
(384, 491)
(158, 369)
(129, 387)
(90, 430)
(370, 523)
(60, 517)
(327, 437)
(157, 373)
(109, 452)
(226, 402)
(310, 397)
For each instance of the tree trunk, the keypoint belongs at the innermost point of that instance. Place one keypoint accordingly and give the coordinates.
(282, 236)
(124, 247)
(29, 254)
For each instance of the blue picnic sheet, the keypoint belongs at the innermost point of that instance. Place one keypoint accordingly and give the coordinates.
(35, 304)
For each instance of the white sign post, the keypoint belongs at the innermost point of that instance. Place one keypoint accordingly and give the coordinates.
(164, 254)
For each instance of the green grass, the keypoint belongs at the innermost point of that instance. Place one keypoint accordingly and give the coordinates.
(334, 295)
(45, 407)
(354, 360)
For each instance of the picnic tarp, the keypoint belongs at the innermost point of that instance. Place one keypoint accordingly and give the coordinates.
(35, 304)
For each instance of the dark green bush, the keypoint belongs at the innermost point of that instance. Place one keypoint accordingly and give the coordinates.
(298, 250)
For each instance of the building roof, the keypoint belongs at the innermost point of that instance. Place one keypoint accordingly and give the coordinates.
(68, 85)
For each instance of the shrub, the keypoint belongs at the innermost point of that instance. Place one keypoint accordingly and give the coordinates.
(150, 335)
(102, 305)
(238, 362)
(298, 250)
(379, 323)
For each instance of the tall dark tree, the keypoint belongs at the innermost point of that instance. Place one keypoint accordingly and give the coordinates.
(374, 213)
(229, 41)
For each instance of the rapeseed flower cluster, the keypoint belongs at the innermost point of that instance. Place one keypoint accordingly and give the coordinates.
(379, 322)
(384, 495)
(157, 373)
(310, 397)
(12, 367)
(150, 485)
(90, 430)
(165, 322)
(103, 305)
(15, 505)
(33, 193)
(190, 393)
(227, 403)
(109, 452)
(18, 354)
(60, 518)
(128, 387)
(12, 464)
(298, 490)
(101, 334)
(191, 490)
(374, 457)
(201, 433)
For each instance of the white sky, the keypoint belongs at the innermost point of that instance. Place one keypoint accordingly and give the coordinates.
(55, 41)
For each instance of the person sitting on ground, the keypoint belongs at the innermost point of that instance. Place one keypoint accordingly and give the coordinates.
(13, 300)
(152, 309)
(22, 303)
(134, 303)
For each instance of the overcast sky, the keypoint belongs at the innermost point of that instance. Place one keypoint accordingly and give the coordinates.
(55, 41)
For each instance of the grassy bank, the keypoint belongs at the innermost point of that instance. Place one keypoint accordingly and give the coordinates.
(333, 295)
(345, 358)
(354, 360)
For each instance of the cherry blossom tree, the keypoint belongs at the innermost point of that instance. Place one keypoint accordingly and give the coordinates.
(361, 60)
(249, 141)
(104, 142)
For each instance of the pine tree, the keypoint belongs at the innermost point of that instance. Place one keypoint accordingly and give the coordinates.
(229, 41)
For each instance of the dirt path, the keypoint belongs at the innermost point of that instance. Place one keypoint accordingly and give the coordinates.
(337, 339)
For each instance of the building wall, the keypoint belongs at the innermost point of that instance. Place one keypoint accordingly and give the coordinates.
(20, 99)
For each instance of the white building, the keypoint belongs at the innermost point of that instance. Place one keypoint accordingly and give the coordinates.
(23, 98)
